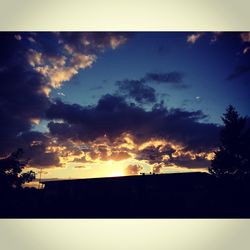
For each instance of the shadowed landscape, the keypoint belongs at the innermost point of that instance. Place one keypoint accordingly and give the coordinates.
(188, 195)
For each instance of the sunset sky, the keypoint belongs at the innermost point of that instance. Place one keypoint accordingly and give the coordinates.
(105, 104)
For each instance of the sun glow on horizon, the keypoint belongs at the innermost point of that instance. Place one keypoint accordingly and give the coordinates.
(117, 173)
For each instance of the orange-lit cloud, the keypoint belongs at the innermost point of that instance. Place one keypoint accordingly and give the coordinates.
(194, 38)
(122, 156)
(55, 68)
(35, 58)
(76, 55)
(35, 121)
(157, 154)
(116, 41)
(133, 170)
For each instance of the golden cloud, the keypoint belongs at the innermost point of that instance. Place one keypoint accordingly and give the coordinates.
(61, 68)
(194, 38)
(133, 170)
(116, 41)
(55, 69)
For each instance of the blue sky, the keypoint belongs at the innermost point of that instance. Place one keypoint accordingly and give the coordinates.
(205, 65)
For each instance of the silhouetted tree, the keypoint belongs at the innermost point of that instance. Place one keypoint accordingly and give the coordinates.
(233, 155)
(11, 168)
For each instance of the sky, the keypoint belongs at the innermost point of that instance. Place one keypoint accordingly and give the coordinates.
(84, 105)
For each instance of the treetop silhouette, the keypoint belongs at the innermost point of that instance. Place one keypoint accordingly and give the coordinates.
(233, 156)
(11, 171)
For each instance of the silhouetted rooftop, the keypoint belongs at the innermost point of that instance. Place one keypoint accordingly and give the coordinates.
(172, 176)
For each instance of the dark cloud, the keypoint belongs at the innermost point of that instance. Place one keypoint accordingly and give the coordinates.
(21, 96)
(174, 79)
(152, 154)
(168, 155)
(133, 169)
(187, 162)
(141, 92)
(137, 90)
(35, 146)
(187, 127)
(113, 116)
(239, 71)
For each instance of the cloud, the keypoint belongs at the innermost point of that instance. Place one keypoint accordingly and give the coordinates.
(31, 39)
(164, 153)
(174, 79)
(246, 50)
(21, 99)
(18, 37)
(245, 37)
(239, 71)
(67, 53)
(58, 69)
(150, 154)
(61, 93)
(187, 162)
(227, 37)
(34, 58)
(190, 102)
(133, 170)
(119, 156)
(31, 65)
(100, 150)
(193, 38)
(157, 153)
(113, 116)
(116, 41)
(92, 42)
(35, 146)
(215, 36)
(141, 92)
(137, 90)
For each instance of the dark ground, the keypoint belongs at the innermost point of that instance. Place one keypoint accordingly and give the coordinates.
(219, 199)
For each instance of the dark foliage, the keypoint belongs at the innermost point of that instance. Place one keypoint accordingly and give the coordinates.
(11, 171)
(233, 157)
